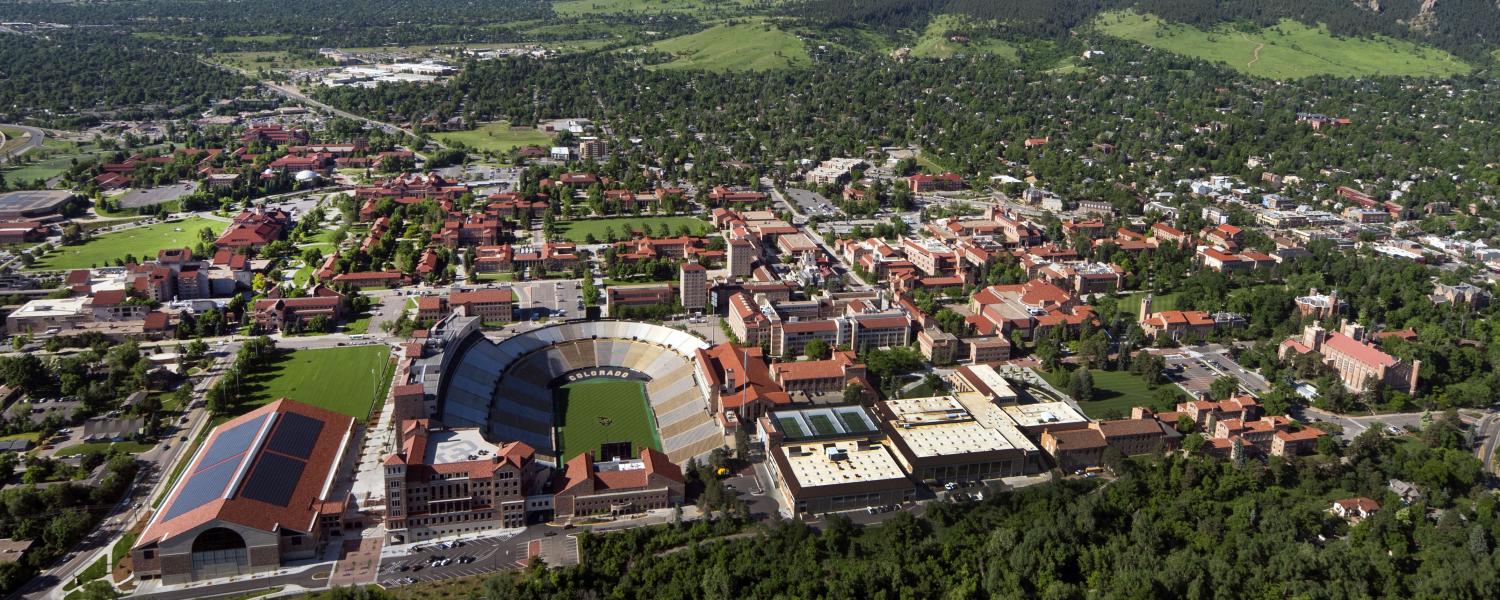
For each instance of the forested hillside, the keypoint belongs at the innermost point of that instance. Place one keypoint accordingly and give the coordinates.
(1468, 28)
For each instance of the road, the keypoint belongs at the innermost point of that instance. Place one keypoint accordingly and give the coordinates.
(1487, 436)
(314, 578)
(293, 94)
(841, 267)
(33, 141)
(1355, 424)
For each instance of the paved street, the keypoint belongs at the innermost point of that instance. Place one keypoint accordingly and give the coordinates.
(32, 142)
(150, 483)
(312, 578)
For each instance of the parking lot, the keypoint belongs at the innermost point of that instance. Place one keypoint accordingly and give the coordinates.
(431, 562)
(1196, 367)
(536, 299)
(157, 195)
(809, 203)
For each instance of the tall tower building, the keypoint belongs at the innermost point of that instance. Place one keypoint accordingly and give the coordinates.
(693, 287)
(741, 255)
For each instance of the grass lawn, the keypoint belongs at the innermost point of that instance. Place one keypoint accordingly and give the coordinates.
(934, 42)
(103, 447)
(94, 571)
(578, 231)
(360, 324)
(478, 277)
(921, 391)
(13, 138)
(599, 411)
(1115, 392)
(338, 379)
(497, 137)
(929, 162)
(1290, 50)
(54, 158)
(140, 241)
(122, 547)
(30, 435)
(270, 60)
(742, 47)
(1131, 304)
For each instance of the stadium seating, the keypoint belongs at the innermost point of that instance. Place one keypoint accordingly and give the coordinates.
(505, 387)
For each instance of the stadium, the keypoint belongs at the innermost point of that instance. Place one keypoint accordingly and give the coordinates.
(606, 387)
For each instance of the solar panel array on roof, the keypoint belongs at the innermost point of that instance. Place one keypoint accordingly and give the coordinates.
(273, 479)
(295, 435)
(233, 441)
(202, 487)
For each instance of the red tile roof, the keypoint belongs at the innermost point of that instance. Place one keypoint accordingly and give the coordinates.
(301, 511)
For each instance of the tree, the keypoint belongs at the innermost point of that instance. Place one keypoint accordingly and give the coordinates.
(817, 349)
(1081, 385)
(853, 392)
(1224, 387)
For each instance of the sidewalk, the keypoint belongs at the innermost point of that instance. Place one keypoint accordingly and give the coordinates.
(155, 586)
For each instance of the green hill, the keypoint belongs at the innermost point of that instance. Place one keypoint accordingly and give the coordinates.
(1289, 50)
(935, 40)
(746, 46)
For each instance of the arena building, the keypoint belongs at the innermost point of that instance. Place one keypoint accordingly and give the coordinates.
(258, 493)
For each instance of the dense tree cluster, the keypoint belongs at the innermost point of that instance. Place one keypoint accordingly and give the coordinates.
(1165, 117)
(258, 23)
(101, 74)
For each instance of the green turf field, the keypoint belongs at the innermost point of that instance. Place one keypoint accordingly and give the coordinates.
(497, 137)
(1290, 50)
(140, 241)
(346, 380)
(741, 47)
(578, 231)
(593, 412)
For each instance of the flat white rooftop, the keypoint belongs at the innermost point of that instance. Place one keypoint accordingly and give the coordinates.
(457, 445)
(51, 308)
(825, 463)
(941, 426)
(1043, 414)
(986, 380)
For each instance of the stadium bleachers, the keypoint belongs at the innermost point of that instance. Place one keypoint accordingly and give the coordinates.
(504, 387)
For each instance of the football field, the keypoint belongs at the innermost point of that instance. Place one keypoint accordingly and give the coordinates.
(594, 412)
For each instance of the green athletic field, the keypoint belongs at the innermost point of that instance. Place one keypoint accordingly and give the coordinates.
(594, 412)
(348, 380)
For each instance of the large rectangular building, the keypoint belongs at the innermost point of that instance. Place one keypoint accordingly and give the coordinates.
(259, 493)
(831, 459)
(939, 441)
(450, 481)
